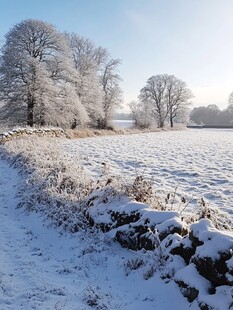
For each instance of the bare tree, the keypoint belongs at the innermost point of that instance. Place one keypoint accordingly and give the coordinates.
(141, 114)
(167, 96)
(177, 97)
(97, 80)
(86, 60)
(154, 94)
(229, 110)
(112, 93)
(33, 65)
(230, 103)
(230, 99)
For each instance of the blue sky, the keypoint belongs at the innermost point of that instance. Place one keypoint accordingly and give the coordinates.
(192, 39)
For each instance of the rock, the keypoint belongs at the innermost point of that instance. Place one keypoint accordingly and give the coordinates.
(191, 283)
(144, 235)
(172, 226)
(184, 249)
(121, 219)
(213, 252)
(135, 238)
(191, 293)
(215, 270)
(204, 306)
(134, 224)
(195, 241)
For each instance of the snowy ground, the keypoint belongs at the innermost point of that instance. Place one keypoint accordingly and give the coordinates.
(42, 268)
(198, 161)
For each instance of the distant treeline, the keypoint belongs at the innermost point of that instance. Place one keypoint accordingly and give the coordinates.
(212, 115)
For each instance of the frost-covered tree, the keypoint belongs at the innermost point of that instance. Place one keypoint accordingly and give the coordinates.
(230, 99)
(72, 108)
(229, 110)
(34, 65)
(177, 98)
(154, 94)
(50, 78)
(167, 96)
(86, 60)
(112, 93)
(97, 79)
(141, 114)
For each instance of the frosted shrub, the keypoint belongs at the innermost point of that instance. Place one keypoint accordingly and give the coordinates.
(133, 264)
(220, 219)
(54, 182)
(175, 202)
(96, 299)
(142, 190)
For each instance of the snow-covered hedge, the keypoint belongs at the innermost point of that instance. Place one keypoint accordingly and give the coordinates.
(53, 182)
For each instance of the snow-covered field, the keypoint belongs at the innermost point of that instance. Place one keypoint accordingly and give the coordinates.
(197, 162)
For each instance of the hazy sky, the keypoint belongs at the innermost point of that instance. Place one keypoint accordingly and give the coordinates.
(192, 39)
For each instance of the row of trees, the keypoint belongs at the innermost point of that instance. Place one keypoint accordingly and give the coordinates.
(51, 78)
(164, 98)
(212, 115)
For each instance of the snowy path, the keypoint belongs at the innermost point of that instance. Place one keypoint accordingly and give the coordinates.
(41, 268)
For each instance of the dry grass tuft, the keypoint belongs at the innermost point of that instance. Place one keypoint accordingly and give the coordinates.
(89, 132)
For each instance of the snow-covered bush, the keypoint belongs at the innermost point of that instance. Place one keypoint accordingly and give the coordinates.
(133, 264)
(221, 220)
(54, 182)
(142, 190)
(96, 299)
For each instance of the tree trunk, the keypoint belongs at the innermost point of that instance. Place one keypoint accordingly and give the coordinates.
(171, 122)
(42, 116)
(74, 124)
(161, 123)
(30, 111)
(30, 119)
(42, 122)
(101, 123)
